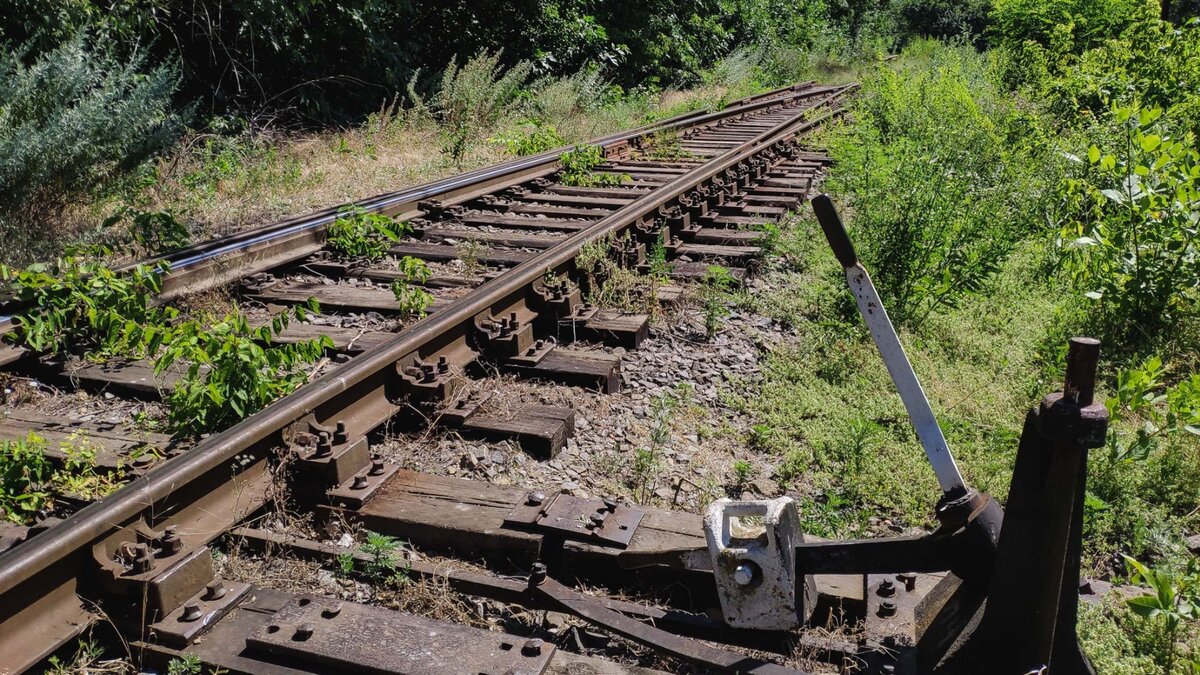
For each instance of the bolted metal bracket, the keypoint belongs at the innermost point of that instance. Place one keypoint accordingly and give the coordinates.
(597, 521)
(506, 336)
(360, 487)
(752, 546)
(181, 627)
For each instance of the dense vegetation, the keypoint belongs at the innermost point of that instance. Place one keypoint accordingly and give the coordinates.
(1026, 170)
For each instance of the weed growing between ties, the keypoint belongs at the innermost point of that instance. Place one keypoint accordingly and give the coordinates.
(384, 562)
(579, 168)
(361, 235)
(29, 479)
(412, 299)
(647, 462)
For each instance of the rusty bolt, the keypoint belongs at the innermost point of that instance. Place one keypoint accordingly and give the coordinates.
(908, 579)
(886, 588)
(171, 543)
(303, 632)
(887, 608)
(324, 448)
(330, 612)
(339, 435)
(535, 498)
(538, 574)
(360, 482)
(540, 344)
(610, 504)
(214, 590)
(443, 365)
(191, 612)
(597, 519)
(376, 466)
(532, 647)
(143, 560)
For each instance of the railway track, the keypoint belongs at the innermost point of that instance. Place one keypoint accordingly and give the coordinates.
(505, 248)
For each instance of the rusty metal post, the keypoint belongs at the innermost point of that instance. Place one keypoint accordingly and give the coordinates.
(1029, 621)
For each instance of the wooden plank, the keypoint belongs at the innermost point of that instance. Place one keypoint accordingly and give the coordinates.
(738, 254)
(134, 376)
(572, 200)
(591, 369)
(541, 431)
(112, 441)
(348, 339)
(722, 236)
(555, 210)
(337, 296)
(517, 222)
(454, 235)
(445, 253)
(696, 271)
(620, 329)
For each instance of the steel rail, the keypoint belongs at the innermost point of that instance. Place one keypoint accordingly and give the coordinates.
(92, 522)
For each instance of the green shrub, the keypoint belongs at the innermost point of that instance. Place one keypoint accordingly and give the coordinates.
(579, 164)
(412, 299)
(232, 370)
(928, 168)
(1128, 240)
(532, 137)
(362, 235)
(81, 305)
(1066, 26)
(472, 98)
(73, 118)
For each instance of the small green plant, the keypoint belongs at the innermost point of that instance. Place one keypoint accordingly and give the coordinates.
(151, 231)
(469, 251)
(80, 304)
(233, 370)
(532, 137)
(86, 659)
(25, 474)
(647, 462)
(362, 235)
(714, 292)
(660, 269)
(472, 98)
(410, 296)
(1162, 411)
(382, 565)
(759, 438)
(185, 664)
(78, 475)
(579, 164)
(742, 471)
(1174, 601)
(1131, 245)
(665, 146)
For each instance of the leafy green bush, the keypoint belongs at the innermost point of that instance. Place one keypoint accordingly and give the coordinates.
(81, 305)
(1066, 26)
(532, 137)
(928, 170)
(233, 370)
(472, 97)
(1129, 238)
(579, 164)
(412, 299)
(25, 472)
(73, 118)
(362, 235)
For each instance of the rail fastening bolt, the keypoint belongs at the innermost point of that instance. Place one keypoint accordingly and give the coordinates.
(215, 590)
(743, 574)
(535, 498)
(339, 435)
(191, 612)
(887, 608)
(360, 482)
(538, 574)
(376, 467)
(303, 632)
(908, 579)
(532, 647)
(887, 588)
(330, 612)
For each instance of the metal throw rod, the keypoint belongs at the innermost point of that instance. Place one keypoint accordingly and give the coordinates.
(871, 307)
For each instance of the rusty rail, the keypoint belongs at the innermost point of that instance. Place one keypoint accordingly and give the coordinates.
(221, 480)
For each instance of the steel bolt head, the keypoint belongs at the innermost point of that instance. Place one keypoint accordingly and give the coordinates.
(330, 612)
(537, 574)
(215, 590)
(597, 518)
(535, 498)
(887, 608)
(610, 504)
(376, 467)
(908, 579)
(360, 482)
(532, 647)
(743, 574)
(303, 632)
(886, 588)
(191, 612)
